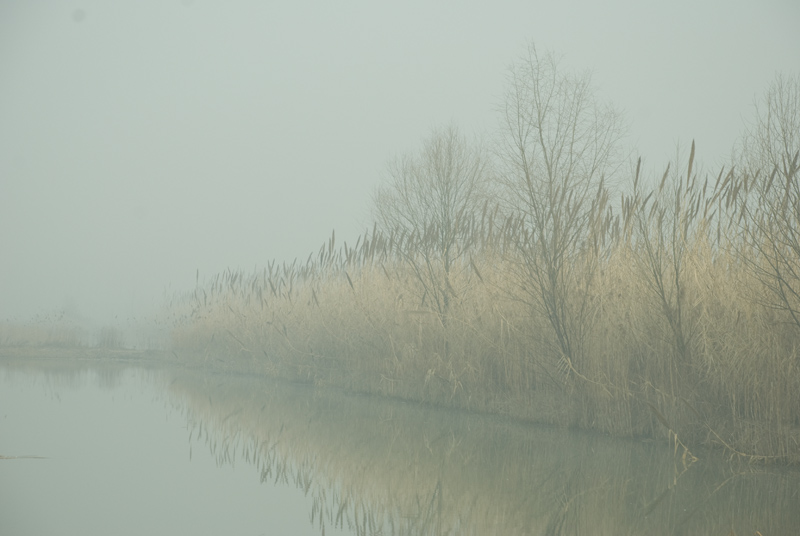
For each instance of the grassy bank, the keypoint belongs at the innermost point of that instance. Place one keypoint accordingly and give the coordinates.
(671, 313)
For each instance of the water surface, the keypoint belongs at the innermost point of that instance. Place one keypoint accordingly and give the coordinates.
(132, 451)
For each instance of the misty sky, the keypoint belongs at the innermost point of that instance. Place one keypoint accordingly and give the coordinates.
(142, 141)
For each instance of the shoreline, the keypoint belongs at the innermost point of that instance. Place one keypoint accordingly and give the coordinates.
(152, 358)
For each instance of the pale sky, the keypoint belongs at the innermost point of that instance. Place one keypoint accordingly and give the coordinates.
(142, 141)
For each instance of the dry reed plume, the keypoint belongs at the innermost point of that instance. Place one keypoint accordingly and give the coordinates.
(672, 313)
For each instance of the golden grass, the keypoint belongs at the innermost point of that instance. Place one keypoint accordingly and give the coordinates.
(669, 326)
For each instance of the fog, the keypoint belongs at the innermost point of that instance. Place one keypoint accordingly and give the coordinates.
(144, 142)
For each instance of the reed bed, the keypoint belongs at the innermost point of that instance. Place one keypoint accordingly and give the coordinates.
(672, 313)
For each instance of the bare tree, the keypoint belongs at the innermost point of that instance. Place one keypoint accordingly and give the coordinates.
(430, 198)
(772, 141)
(769, 162)
(558, 144)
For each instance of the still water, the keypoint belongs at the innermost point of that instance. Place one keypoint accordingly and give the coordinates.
(111, 450)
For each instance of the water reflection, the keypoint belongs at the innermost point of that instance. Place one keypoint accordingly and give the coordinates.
(339, 463)
(374, 466)
(64, 374)
(100, 450)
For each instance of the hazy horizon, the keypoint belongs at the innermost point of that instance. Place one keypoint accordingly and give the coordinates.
(143, 142)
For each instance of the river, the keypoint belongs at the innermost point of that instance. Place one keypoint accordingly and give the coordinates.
(120, 449)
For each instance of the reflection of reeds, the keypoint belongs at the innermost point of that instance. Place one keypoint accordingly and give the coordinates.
(406, 469)
(681, 299)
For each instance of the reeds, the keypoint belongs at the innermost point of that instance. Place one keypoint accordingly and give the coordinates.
(676, 304)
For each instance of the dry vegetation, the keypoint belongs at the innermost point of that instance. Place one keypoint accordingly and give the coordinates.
(56, 330)
(667, 311)
(58, 334)
(674, 318)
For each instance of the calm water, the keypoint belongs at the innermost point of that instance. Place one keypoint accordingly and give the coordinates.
(131, 451)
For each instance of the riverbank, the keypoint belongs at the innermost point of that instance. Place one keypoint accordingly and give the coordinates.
(674, 317)
(368, 330)
(17, 354)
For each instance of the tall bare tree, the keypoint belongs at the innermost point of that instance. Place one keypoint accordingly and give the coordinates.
(558, 144)
(430, 198)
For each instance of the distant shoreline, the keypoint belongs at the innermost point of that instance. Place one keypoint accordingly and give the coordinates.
(11, 354)
(54, 355)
